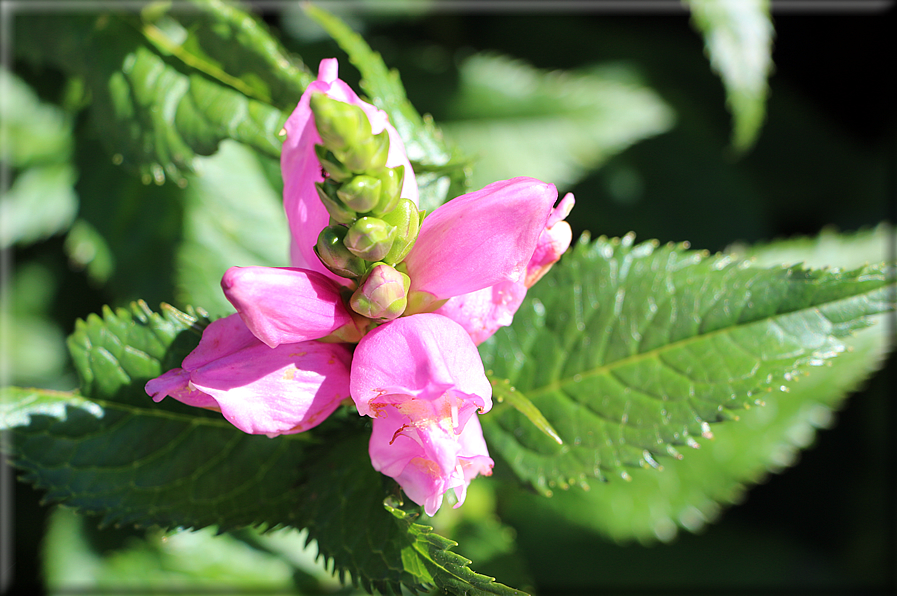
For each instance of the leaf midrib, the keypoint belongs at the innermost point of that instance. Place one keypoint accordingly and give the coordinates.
(656, 352)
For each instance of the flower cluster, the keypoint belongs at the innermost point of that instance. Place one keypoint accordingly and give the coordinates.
(382, 307)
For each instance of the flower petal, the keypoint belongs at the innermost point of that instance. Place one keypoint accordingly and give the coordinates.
(553, 242)
(284, 390)
(301, 168)
(176, 384)
(285, 305)
(423, 356)
(221, 338)
(481, 238)
(424, 453)
(481, 313)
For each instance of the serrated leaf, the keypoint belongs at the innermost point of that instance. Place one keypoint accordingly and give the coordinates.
(153, 116)
(689, 493)
(738, 39)
(640, 347)
(114, 452)
(231, 46)
(553, 126)
(447, 570)
(441, 175)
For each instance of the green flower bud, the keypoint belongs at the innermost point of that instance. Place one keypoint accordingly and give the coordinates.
(391, 180)
(338, 211)
(382, 294)
(366, 154)
(361, 193)
(334, 254)
(334, 167)
(370, 238)
(340, 124)
(406, 219)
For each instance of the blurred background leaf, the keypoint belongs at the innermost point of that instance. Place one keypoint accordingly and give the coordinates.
(738, 39)
(515, 119)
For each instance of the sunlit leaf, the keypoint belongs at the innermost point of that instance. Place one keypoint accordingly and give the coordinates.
(631, 351)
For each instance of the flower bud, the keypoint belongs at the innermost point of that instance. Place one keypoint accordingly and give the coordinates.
(361, 193)
(370, 238)
(334, 254)
(405, 218)
(391, 180)
(337, 210)
(334, 167)
(366, 153)
(340, 124)
(382, 294)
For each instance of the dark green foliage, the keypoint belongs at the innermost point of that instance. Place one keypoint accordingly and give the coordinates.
(113, 452)
(153, 113)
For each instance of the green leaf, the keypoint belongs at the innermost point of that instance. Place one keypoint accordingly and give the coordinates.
(222, 229)
(74, 561)
(153, 116)
(640, 347)
(36, 140)
(446, 570)
(689, 493)
(441, 175)
(113, 452)
(554, 126)
(738, 39)
(229, 45)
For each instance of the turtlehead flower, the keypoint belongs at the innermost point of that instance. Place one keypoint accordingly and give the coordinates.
(422, 380)
(260, 390)
(301, 167)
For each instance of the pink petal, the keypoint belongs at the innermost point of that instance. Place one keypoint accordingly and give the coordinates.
(553, 242)
(284, 390)
(221, 338)
(425, 454)
(481, 313)
(481, 238)
(285, 305)
(176, 384)
(424, 356)
(301, 169)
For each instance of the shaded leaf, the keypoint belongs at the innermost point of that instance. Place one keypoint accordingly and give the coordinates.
(640, 347)
(230, 45)
(121, 456)
(37, 141)
(162, 562)
(555, 126)
(738, 39)
(153, 116)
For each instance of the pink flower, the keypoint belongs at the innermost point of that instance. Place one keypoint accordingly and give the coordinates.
(416, 443)
(301, 168)
(483, 311)
(422, 380)
(260, 390)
